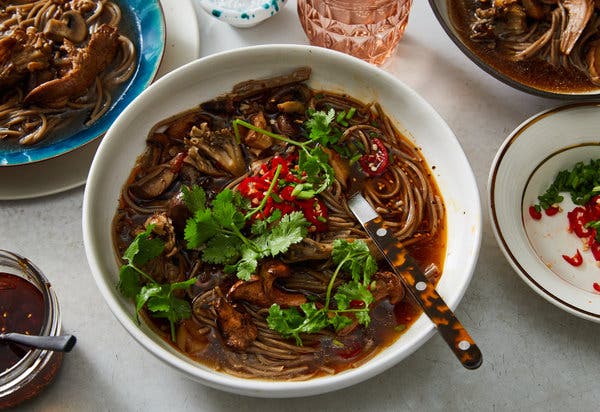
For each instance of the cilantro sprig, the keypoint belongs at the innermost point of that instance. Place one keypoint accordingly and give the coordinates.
(582, 182)
(350, 257)
(312, 159)
(218, 232)
(134, 283)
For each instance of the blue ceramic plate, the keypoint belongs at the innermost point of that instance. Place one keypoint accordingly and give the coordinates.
(148, 36)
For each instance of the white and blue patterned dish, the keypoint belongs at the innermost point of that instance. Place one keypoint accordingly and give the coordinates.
(242, 13)
(148, 29)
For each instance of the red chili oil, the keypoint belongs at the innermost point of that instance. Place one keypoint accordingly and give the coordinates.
(22, 311)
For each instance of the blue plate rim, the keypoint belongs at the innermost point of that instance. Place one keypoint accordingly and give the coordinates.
(150, 26)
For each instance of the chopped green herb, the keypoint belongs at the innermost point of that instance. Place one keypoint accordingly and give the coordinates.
(582, 182)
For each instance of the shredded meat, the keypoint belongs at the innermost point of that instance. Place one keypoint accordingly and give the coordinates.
(87, 63)
(21, 53)
(387, 285)
(236, 326)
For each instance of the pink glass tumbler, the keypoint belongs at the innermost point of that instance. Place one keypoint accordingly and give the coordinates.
(367, 29)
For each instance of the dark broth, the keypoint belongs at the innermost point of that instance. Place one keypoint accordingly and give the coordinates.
(536, 73)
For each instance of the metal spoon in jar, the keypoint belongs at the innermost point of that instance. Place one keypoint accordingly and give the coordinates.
(63, 343)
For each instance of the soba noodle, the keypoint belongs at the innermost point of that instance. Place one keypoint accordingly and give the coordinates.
(31, 123)
(404, 193)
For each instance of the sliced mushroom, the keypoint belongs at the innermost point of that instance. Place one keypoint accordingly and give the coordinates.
(259, 290)
(195, 159)
(258, 142)
(308, 249)
(71, 26)
(154, 184)
(86, 63)
(220, 146)
(579, 12)
(534, 9)
(252, 87)
(341, 167)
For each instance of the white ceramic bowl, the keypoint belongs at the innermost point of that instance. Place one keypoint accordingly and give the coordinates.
(208, 77)
(524, 167)
(242, 13)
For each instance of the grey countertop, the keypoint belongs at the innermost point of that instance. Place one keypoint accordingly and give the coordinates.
(536, 357)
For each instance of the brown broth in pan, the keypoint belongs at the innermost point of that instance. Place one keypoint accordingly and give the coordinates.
(535, 72)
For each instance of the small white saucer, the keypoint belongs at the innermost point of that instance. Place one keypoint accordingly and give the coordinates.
(525, 165)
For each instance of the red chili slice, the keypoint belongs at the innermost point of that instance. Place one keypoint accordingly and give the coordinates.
(356, 304)
(252, 186)
(275, 162)
(315, 212)
(375, 163)
(593, 208)
(534, 213)
(551, 211)
(595, 248)
(575, 260)
(286, 193)
(577, 219)
(596, 287)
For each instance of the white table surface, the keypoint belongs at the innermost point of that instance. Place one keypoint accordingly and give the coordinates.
(536, 357)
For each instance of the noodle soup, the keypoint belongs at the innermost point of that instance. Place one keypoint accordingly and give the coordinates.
(237, 244)
(548, 45)
(64, 64)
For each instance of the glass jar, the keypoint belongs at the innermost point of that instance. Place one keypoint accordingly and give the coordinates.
(37, 368)
(369, 30)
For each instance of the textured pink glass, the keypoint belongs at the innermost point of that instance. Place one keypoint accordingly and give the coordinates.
(368, 29)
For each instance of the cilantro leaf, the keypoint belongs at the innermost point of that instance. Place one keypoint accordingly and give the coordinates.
(320, 127)
(222, 249)
(247, 265)
(319, 173)
(200, 228)
(291, 229)
(143, 249)
(194, 198)
(355, 258)
(225, 212)
(129, 281)
(339, 322)
(159, 300)
(156, 297)
(291, 323)
(217, 231)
